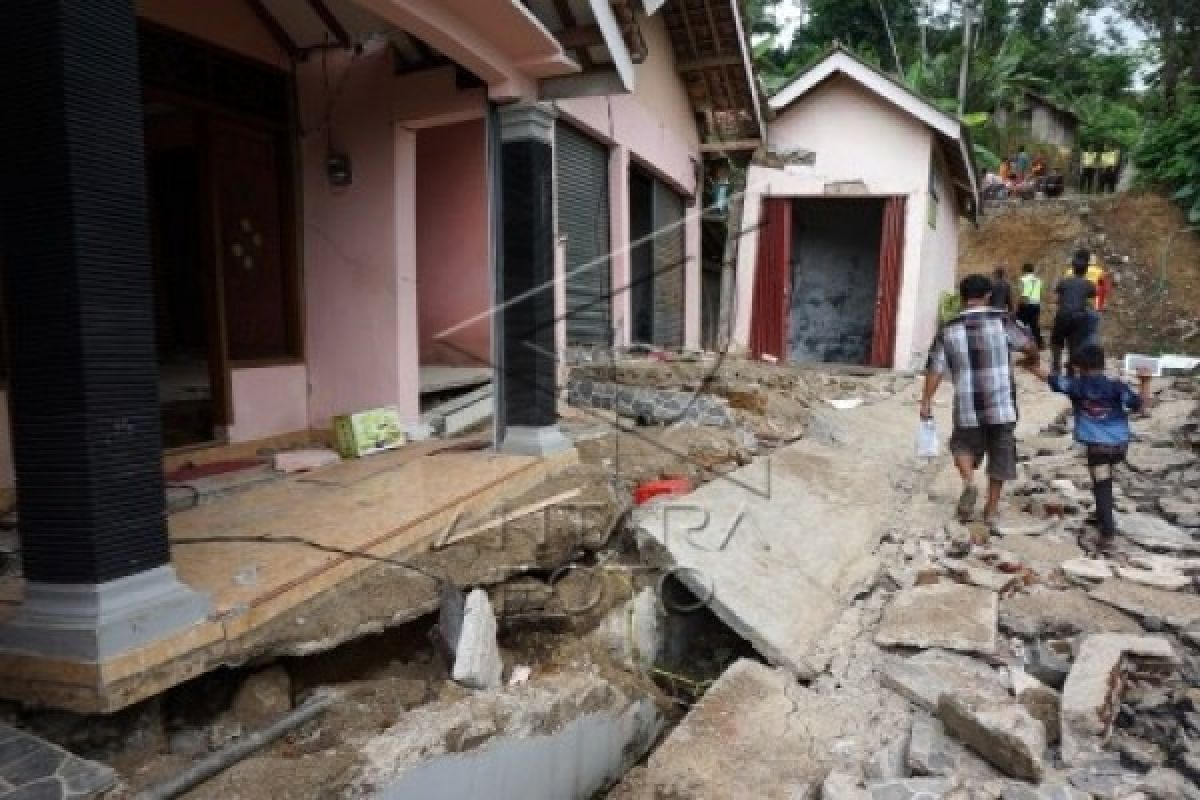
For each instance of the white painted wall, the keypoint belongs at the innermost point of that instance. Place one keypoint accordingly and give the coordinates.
(939, 262)
(857, 136)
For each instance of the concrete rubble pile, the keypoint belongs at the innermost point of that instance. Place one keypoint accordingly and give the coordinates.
(1040, 670)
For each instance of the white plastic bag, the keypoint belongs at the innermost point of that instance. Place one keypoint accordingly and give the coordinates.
(927, 439)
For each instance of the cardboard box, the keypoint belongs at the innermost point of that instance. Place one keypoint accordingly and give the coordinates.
(367, 432)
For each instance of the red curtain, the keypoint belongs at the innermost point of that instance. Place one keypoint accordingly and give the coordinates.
(891, 271)
(772, 280)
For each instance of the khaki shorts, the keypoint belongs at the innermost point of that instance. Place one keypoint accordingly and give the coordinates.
(997, 442)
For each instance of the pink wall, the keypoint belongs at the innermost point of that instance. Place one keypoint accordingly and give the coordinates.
(351, 255)
(273, 400)
(453, 275)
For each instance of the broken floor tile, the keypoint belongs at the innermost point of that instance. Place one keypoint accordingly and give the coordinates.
(1170, 581)
(1058, 792)
(1154, 533)
(1003, 733)
(842, 786)
(1042, 612)
(1176, 609)
(751, 735)
(913, 789)
(923, 678)
(1090, 697)
(35, 768)
(1086, 571)
(932, 753)
(950, 616)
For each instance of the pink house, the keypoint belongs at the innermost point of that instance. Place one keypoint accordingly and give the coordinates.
(225, 223)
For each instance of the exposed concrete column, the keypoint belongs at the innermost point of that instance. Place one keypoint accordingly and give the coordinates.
(618, 201)
(525, 326)
(86, 435)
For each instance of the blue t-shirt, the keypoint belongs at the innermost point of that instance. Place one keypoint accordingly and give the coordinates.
(1101, 406)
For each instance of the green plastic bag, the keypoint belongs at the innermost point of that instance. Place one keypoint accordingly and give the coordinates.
(949, 307)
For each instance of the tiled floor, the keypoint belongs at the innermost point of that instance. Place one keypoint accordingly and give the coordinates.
(34, 769)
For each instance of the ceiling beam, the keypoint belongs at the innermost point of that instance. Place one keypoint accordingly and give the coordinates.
(711, 61)
(580, 36)
(277, 31)
(330, 21)
(731, 145)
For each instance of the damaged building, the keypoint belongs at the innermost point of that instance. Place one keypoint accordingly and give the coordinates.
(844, 257)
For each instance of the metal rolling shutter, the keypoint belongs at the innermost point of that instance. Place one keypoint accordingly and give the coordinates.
(583, 217)
(669, 254)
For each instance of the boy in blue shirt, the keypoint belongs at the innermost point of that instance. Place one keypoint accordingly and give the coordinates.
(1102, 407)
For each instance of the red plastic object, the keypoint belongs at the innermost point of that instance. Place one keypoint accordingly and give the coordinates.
(668, 487)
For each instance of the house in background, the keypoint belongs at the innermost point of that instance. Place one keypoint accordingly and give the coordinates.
(1042, 121)
(846, 256)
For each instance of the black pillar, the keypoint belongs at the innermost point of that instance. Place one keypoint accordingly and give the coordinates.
(80, 307)
(526, 320)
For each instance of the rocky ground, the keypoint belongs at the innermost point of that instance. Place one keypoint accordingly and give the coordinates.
(1030, 671)
(1009, 667)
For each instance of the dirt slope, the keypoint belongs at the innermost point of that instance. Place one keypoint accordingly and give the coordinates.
(1131, 231)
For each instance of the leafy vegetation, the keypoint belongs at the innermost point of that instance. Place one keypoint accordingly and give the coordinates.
(1146, 100)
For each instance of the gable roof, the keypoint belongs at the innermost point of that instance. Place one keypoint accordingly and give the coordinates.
(949, 130)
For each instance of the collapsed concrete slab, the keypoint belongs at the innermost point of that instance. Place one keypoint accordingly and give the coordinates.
(1091, 696)
(947, 615)
(1176, 609)
(1003, 733)
(777, 548)
(570, 735)
(750, 736)
(924, 678)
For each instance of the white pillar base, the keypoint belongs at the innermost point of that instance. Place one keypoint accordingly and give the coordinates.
(95, 622)
(525, 441)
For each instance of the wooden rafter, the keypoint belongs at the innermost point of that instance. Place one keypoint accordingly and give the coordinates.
(277, 31)
(570, 23)
(330, 21)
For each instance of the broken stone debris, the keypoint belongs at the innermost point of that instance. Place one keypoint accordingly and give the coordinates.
(1004, 734)
(933, 753)
(32, 768)
(477, 662)
(842, 786)
(949, 616)
(1175, 609)
(923, 678)
(633, 632)
(263, 697)
(747, 737)
(570, 735)
(1091, 695)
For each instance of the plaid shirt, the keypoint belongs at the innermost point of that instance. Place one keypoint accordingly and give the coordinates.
(975, 347)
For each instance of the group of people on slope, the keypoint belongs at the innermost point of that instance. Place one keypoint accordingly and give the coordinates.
(976, 347)
(1082, 295)
(1023, 175)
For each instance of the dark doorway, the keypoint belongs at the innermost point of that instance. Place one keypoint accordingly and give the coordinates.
(179, 231)
(835, 279)
(641, 226)
(658, 260)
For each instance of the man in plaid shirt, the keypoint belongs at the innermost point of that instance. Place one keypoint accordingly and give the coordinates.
(976, 349)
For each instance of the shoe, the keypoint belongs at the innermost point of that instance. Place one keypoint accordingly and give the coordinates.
(966, 502)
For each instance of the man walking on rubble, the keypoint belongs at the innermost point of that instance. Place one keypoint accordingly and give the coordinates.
(976, 349)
